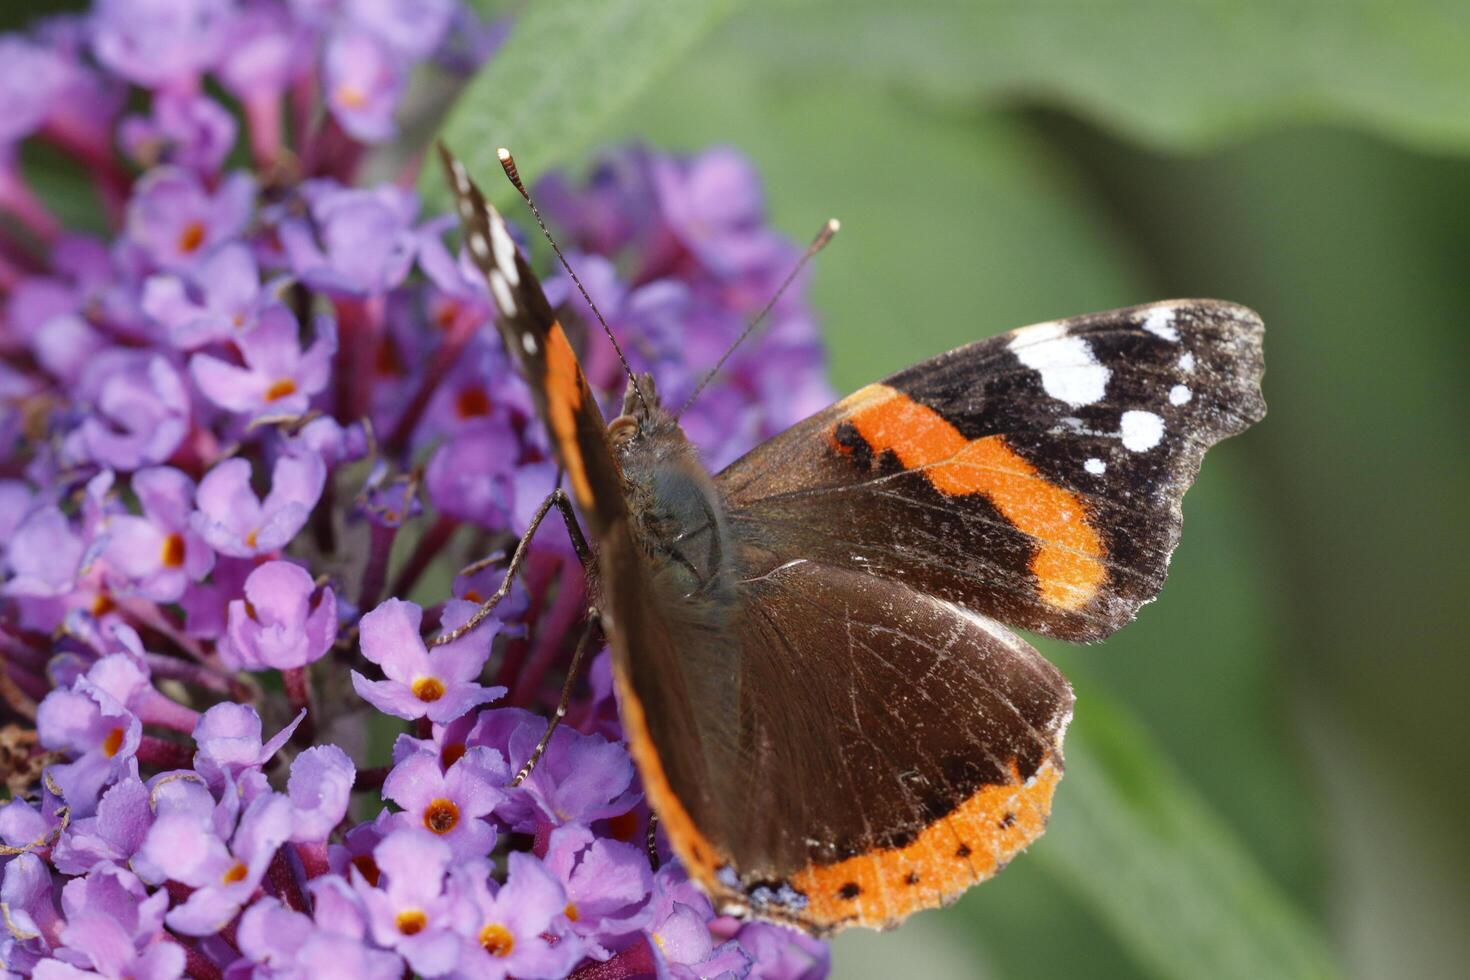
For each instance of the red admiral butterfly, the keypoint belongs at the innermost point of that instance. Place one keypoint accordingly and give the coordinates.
(831, 716)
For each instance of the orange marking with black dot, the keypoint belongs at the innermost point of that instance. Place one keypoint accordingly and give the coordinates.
(966, 847)
(564, 395)
(1067, 564)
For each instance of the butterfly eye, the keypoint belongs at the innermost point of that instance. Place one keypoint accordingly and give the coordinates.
(621, 430)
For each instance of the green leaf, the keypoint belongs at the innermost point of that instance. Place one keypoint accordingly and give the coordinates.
(567, 65)
(1180, 74)
(1131, 837)
(951, 229)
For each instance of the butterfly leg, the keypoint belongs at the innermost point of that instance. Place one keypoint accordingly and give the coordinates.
(651, 841)
(558, 499)
(594, 625)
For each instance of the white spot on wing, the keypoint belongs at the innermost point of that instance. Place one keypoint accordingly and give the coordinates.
(1068, 370)
(479, 246)
(528, 343)
(501, 292)
(505, 250)
(461, 179)
(1186, 361)
(466, 209)
(1141, 431)
(1159, 321)
(1180, 395)
(1095, 466)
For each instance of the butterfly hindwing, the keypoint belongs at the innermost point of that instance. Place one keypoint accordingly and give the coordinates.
(1035, 477)
(537, 341)
(861, 751)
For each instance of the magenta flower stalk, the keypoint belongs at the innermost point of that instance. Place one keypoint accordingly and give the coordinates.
(260, 448)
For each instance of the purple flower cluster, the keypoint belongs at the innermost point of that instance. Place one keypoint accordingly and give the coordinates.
(254, 438)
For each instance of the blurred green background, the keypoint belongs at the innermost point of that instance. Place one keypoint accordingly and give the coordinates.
(1265, 775)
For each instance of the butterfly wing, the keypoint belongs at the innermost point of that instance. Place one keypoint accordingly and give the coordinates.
(1035, 477)
(537, 341)
(842, 749)
(871, 741)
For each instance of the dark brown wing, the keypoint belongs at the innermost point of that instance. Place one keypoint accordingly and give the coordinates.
(1035, 477)
(839, 749)
(537, 341)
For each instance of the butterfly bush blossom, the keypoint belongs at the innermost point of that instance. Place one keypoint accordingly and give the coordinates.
(261, 450)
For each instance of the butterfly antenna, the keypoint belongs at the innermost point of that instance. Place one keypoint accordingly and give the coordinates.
(829, 230)
(508, 164)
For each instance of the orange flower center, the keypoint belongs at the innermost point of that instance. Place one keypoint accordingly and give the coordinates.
(250, 539)
(236, 873)
(472, 403)
(497, 939)
(571, 911)
(387, 360)
(441, 816)
(411, 922)
(284, 388)
(623, 826)
(351, 97)
(369, 868)
(173, 551)
(102, 604)
(113, 742)
(428, 689)
(446, 314)
(191, 237)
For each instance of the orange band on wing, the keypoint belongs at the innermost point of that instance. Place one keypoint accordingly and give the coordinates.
(969, 845)
(564, 393)
(1066, 563)
(700, 857)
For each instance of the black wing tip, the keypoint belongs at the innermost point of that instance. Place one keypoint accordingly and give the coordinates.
(1214, 309)
(452, 167)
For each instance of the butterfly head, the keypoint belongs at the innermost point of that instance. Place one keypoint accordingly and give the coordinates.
(643, 418)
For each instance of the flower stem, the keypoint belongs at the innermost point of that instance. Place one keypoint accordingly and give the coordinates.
(199, 675)
(313, 858)
(360, 324)
(429, 547)
(371, 778)
(444, 359)
(196, 964)
(263, 117)
(539, 569)
(380, 550)
(159, 709)
(164, 754)
(297, 682)
(17, 197)
(285, 884)
(551, 633)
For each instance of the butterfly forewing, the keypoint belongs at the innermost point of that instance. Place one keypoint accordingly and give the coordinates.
(537, 341)
(1035, 477)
